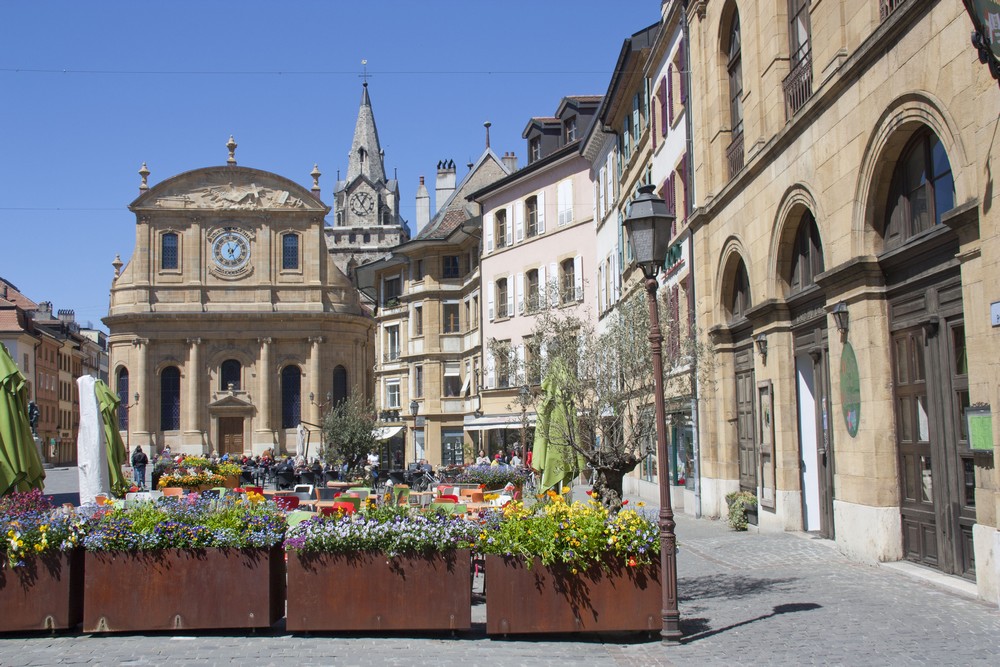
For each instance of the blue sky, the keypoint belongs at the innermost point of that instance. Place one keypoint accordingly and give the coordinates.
(91, 90)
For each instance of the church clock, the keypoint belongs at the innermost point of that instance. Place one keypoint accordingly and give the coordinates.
(362, 203)
(231, 251)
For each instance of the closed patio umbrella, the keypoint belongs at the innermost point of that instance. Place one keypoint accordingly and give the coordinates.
(553, 453)
(20, 466)
(107, 402)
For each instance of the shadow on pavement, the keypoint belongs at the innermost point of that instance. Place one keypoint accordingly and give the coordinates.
(727, 586)
(695, 629)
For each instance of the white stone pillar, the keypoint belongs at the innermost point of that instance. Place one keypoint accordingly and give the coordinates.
(141, 430)
(315, 385)
(264, 376)
(191, 421)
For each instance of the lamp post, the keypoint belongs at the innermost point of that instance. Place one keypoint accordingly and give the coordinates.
(524, 397)
(648, 225)
(128, 423)
(321, 406)
(414, 409)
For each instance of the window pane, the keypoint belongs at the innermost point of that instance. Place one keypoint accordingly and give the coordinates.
(168, 256)
(905, 425)
(290, 251)
(969, 482)
(909, 477)
(229, 375)
(902, 361)
(291, 393)
(927, 485)
(923, 428)
(123, 397)
(958, 348)
(170, 399)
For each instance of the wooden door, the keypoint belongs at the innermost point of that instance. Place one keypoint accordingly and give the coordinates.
(231, 435)
(745, 428)
(824, 457)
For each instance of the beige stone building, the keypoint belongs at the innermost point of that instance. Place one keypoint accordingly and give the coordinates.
(231, 320)
(428, 319)
(843, 156)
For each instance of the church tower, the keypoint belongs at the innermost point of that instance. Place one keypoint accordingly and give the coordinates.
(366, 204)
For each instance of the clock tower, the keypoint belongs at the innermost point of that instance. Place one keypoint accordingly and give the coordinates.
(366, 220)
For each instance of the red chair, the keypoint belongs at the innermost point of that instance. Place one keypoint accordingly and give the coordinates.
(447, 499)
(287, 503)
(343, 508)
(254, 489)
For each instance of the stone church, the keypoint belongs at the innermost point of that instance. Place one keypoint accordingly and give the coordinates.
(232, 324)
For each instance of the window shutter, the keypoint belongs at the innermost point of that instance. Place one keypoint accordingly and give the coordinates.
(652, 123)
(616, 277)
(663, 106)
(684, 187)
(554, 276)
(578, 278)
(543, 289)
(519, 221)
(602, 290)
(520, 367)
(489, 300)
(541, 212)
(520, 293)
(508, 231)
(488, 226)
(681, 67)
(510, 298)
(491, 377)
(670, 93)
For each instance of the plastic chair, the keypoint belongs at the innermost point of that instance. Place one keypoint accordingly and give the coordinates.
(221, 490)
(254, 489)
(303, 488)
(400, 496)
(101, 499)
(287, 503)
(362, 492)
(298, 516)
(326, 494)
(346, 508)
(354, 501)
(449, 498)
(284, 479)
(172, 492)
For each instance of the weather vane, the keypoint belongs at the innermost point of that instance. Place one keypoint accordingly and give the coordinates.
(364, 74)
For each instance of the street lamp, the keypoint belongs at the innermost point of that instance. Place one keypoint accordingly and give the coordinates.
(321, 406)
(128, 423)
(414, 409)
(648, 225)
(524, 397)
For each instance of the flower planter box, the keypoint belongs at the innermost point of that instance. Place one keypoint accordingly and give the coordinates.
(552, 599)
(45, 594)
(183, 589)
(370, 592)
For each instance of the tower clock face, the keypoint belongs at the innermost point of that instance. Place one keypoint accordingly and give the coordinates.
(231, 251)
(362, 203)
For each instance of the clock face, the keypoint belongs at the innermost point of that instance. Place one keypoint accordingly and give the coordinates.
(231, 251)
(362, 203)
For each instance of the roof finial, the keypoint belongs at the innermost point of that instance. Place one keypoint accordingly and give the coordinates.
(117, 264)
(364, 74)
(487, 126)
(315, 173)
(231, 145)
(144, 172)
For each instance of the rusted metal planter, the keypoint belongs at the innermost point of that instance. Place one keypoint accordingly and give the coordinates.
(552, 599)
(368, 591)
(183, 589)
(45, 594)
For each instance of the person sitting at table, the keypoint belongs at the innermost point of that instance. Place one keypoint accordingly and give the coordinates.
(515, 460)
(482, 459)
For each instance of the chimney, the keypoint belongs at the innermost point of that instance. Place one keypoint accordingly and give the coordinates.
(423, 206)
(66, 316)
(445, 183)
(510, 161)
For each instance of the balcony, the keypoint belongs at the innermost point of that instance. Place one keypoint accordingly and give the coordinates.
(887, 7)
(734, 155)
(391, 356)
(798, 86)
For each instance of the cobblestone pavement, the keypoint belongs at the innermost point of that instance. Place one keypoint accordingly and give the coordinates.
(745, 598)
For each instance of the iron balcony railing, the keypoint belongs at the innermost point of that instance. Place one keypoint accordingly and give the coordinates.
(886, 7)
(734, 155)
(798, 86)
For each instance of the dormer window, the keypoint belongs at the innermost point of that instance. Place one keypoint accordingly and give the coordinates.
(534, 149)
(569, 129)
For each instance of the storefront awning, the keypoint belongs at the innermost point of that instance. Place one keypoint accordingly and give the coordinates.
(386, 432)
(490, 422)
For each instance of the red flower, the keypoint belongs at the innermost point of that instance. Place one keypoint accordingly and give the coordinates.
(590, 493)
(624, 503)
(631, 562)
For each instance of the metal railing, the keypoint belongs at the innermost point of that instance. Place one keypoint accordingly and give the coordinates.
(734, 155)
(798, 86)
(886, 7)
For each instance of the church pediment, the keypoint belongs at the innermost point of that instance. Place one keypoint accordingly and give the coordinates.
(230, 401)
(229, 189)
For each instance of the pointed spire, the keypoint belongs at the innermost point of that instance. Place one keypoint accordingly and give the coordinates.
(366, 158)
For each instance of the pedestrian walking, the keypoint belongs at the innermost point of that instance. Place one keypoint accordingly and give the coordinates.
(139, 461)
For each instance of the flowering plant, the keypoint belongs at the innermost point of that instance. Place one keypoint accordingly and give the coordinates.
(387, 529)
(234, 521)
(191, 481)
(188, 461)
(227, 469)
(494, 477)
(578, 535)
(32, 527)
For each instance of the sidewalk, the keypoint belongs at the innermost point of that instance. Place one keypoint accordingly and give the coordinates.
(745, 598)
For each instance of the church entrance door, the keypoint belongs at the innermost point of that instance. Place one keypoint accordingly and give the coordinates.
(231, 435)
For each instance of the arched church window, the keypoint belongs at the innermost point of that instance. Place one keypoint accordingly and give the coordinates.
(170, 399)
(807, 256)
(229, 374)
(339, 385)
(168, 251)
(922, 189)
(291, 396)
(290, 251)
(122, 390)
(740, 302)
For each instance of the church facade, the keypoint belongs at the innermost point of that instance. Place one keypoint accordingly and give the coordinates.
(231, 325)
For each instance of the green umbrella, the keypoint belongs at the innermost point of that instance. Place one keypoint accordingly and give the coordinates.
(108, 402)
(553, 454)
(20, 467)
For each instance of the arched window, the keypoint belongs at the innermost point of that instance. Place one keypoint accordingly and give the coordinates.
(170, 399)
(807, 257)
(229, 374)
(290, 251)
(922, 189)
(291, 396)
(734, 67)
(567, 287)
(122, 387)
(740, 302)
(339, 385)
(168, 251)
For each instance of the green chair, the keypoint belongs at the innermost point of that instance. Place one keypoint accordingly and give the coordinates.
(363, 492)
(354, 500)
(298, 516)
(400, 496)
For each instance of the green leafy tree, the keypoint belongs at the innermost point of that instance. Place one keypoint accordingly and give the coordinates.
(348, 429)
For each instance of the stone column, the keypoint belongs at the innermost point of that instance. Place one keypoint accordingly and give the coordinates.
(139, 412)
(191, 422)
(315, 385)
(264, 437)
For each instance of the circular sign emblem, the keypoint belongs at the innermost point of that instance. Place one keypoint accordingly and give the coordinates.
(850, 389)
